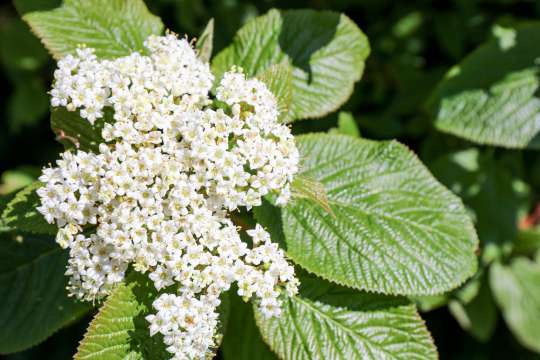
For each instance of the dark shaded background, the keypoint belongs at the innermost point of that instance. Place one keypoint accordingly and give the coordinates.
(413, 44)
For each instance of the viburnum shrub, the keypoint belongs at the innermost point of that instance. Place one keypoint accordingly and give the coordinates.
(182, 195)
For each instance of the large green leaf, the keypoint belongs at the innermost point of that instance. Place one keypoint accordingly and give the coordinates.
(516, 288)
(326, 49)
(392, 229)
(327, 321)
(120, 330)
(113, 27)
(33, 297)
(492, 96)
(20, 213)
(249, 345)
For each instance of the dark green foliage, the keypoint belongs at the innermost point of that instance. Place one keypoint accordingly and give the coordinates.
(343, 228)
(33, 299)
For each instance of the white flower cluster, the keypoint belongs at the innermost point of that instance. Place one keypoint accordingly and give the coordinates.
(158, 194)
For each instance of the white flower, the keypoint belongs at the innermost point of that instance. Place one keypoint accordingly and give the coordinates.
(157, 194)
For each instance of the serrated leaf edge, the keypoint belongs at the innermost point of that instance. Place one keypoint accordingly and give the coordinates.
(453, 285)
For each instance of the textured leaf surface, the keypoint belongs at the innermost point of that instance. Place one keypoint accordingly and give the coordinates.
(120, 330)
(33, 297)
(20, 213)
(113, 27)
(516, 290)
(326, 49)
(249, 345)
(393, 228)
(307, 188)
(492, 96)
(327, 321)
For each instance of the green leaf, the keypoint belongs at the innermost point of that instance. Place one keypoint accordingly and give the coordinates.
(250, 345)
(113, 27)
(224, 311)
(327, 321)
(527, 241)
(517, 292)
(393, 228)
(326, 50)
(278, 78)
(492, 96)
(464, 294)
(4, 200)
(120, 330)
(205, 43)
(347, 125)
(74, 132)
(480, 181)
(33, 297)
(269, 217)
(479, 315)
(20, 213)
(430, 302)
(16, 179)
(306, 188)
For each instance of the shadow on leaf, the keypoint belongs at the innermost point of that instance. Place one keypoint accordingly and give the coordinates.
(299, 39)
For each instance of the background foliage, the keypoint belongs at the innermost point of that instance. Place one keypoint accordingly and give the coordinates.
(413, 45)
